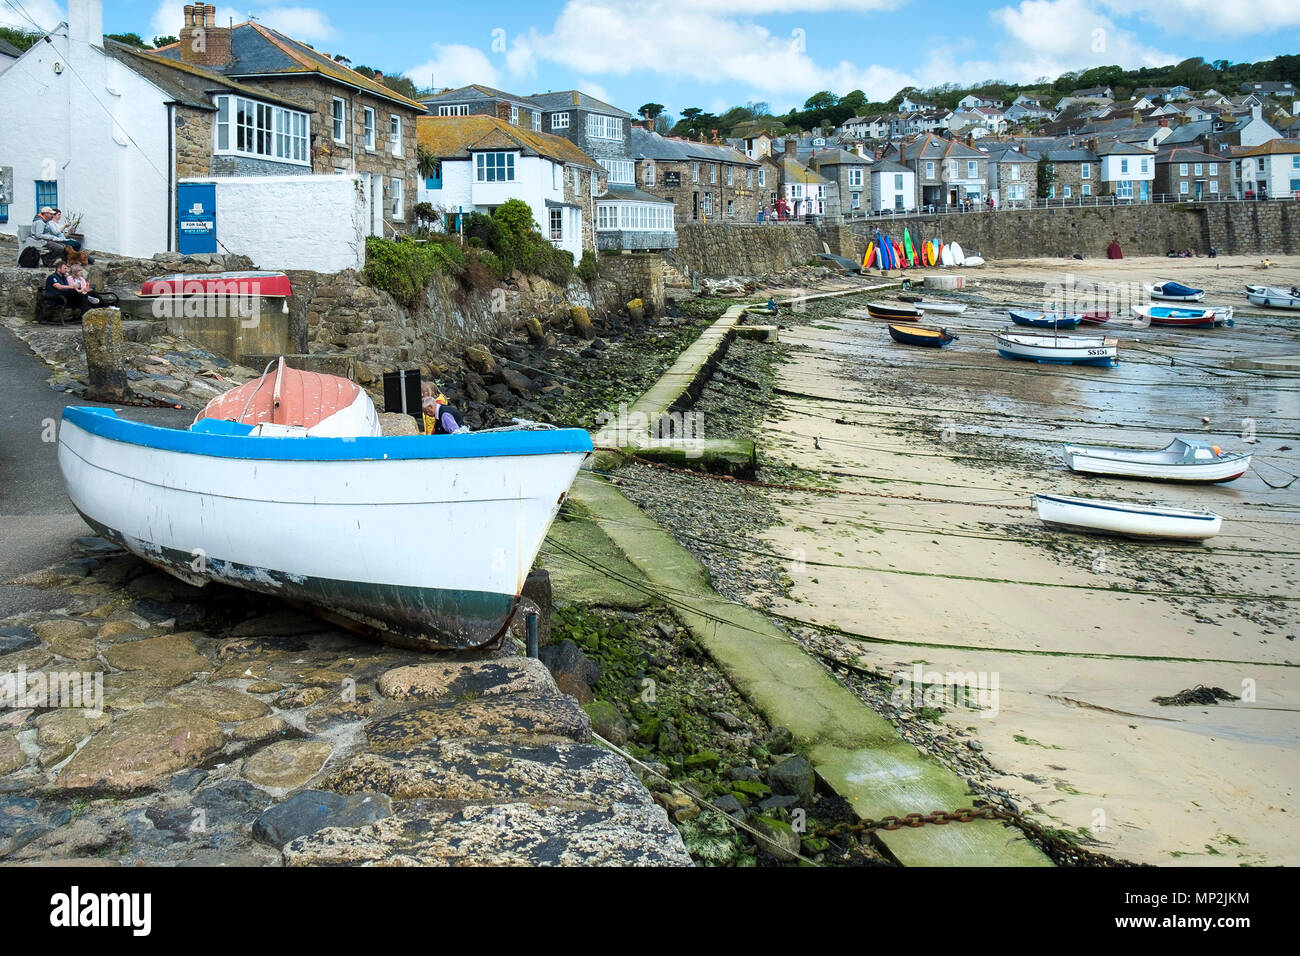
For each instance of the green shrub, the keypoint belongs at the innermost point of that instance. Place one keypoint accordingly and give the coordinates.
(405, 268)
(587, 267)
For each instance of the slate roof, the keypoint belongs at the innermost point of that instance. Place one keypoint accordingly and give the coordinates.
(574, 99)
(185, 83)
(476, 91)
(626, 193)
(8, 49)
(646, 144)
(1186, 154)
(454, 137)
(837, 157)
(1009, 154)
(889, 166)
(257, 50)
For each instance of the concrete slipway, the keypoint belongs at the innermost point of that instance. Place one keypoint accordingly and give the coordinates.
(854, 749)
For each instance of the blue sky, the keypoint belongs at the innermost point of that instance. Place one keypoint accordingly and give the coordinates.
(704, 54)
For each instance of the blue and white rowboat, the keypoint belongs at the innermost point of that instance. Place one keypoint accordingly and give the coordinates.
(1045, 320)
(1053, 349)
(1127, 518)
(428, 536)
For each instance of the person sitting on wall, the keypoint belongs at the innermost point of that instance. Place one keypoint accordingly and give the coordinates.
(95, 298)
(64, 229)
(59, 285)
(47, 231)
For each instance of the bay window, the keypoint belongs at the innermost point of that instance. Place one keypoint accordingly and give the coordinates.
(657, 217)
(247, 127)
(604, 127)
(620, 171)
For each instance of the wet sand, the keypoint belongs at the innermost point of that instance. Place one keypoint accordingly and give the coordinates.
(973, 582)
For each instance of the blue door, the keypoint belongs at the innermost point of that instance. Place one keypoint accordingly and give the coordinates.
(196, 215)
(1142, 190)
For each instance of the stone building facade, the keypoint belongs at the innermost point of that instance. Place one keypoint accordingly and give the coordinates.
(1190, 175)
(852, 175)
(1072, 170)
(705, 182)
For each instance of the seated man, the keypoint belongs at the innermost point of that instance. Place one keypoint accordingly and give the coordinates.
(58, 285)
(445, 419)
(46, 231)
(94, 298)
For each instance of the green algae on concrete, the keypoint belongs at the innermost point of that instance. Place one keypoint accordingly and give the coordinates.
(719, 456)
(855, 750)
(580, 582)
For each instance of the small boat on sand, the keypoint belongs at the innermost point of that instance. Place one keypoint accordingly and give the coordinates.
(894, 313)
(1184, 317)
(920, 335)
(1272, 298)
(1183, 460)
(934, 306)
(1045, 320)
(1126, 518)
(1053, 349)
(426, 539)
(1174, 292)
(1094, 318)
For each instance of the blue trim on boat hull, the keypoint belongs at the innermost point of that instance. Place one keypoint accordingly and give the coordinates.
(423, 618)
(105, 423)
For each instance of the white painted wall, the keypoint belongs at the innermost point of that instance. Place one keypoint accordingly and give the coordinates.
(100, 131)
(535, 182)
(293, 222)
(1111, 168)
(883, 191)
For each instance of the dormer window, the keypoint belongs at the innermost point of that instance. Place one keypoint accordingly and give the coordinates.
(249, 128)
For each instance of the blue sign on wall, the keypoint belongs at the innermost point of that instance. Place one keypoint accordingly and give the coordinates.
(196, 213)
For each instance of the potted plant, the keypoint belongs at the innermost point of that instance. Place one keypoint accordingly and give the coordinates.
(73, 228)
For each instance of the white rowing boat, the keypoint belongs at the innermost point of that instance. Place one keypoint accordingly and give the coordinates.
(1127, 518)
(1058, 349)
(1183, 459)
(428, 536)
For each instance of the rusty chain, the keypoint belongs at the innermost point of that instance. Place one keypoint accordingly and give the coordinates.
(937, 818)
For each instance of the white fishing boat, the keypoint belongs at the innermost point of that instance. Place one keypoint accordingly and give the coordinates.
(1126, 518)
(426, 537)
(1173, 291)
(1273, 298)
(1058, 349)
(940, 308)
(1183, 459)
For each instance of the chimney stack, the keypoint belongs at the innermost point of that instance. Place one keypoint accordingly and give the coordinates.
(203, 43)
(86, 21)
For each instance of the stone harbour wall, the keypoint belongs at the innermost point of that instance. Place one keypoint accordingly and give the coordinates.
(1264, 228)
(715, 249)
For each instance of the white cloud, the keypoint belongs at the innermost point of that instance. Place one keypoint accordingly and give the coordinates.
(1049, 37)
(454, 64)
(1239, 18)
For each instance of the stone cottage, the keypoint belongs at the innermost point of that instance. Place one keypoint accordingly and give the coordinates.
(705, 181)
(344, 122)
(851, 173)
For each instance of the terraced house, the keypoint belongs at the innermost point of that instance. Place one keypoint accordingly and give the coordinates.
(851, 174)
(343, 122)
(705, 182)
(947, 172)
(1183, 174)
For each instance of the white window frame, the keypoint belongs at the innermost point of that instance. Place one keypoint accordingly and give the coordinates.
(1015, 171)
(972, 169)
(1065, 192)
(621, 171)
(556, 217)
(1145, 164)
(600, 126)
(1214, 186)
(397, 192)
(502, 171)
(454, 109)
(1198, 168)
(695, 172)
(395, 133)
(339, 120)
(1214, 169)
(855, 178)
(1085, 170)
(1123, 165)
(731, 175)
(1086, 189)
(368, 114)
(514, 116)
(649, 172)
(559, 121)
(713, 173)
(762, 178)
(268, 132)
(1182, 187)
(537, 121)
(929, 169)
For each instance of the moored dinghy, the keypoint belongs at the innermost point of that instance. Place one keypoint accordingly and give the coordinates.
(1183, 459)
(1184, 317)
(1045, 320)
(1174, 292)
(920, 335)
(894, 313)
(1272, 298)
(1053, 349)
(1127, 519)
(426, 537)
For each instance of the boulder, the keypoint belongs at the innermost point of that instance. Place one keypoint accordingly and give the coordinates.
(480, 359)
(286, 764)
(142, 749)
(792, 777)
(607, 721)
(636, 311)
(398, 423)
(536, 334)
(519, 383)
(582, 322)
(313, 810)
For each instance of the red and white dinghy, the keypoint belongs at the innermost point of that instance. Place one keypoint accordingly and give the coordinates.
(288, 401)
(266, 284)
